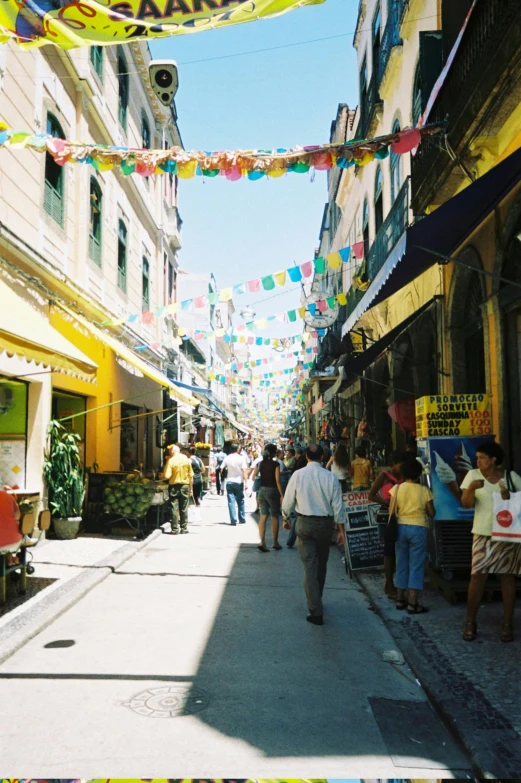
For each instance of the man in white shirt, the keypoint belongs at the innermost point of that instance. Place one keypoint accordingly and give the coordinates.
(316, 495)
(237, 473)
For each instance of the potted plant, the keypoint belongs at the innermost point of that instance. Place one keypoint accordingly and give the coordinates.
(65, 480)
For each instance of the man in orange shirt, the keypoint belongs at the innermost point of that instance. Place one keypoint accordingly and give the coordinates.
(362, 472)
(178, 471)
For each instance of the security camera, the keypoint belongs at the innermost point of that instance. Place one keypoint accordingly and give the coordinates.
(164, 79)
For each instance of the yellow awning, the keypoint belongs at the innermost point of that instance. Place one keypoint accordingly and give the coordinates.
(25, 332)
(128, 355)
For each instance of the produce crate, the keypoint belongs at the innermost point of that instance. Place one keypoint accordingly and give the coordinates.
(129, 498)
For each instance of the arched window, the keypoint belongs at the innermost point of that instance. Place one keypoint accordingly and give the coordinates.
(396, 168)
(416, 98)
(145, 277)
(365, 227)
(96, 58)
(96, 202)
(123, 92)
(53, 197)
(378, 201)
(122, 255)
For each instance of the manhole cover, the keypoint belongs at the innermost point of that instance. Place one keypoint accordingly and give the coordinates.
(168, 701)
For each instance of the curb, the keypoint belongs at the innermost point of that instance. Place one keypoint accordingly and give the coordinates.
(41, 614)
(438, 707)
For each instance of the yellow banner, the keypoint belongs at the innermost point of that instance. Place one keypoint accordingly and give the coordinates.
(69, 24)
(446, 415)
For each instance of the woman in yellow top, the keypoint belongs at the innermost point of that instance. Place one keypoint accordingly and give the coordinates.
(412, 504)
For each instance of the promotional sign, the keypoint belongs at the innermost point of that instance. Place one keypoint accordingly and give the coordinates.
(68, 24)
(447, 461)
(450, 415)
(362, 542)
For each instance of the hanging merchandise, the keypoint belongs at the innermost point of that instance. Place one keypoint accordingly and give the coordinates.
(72, 24)
(232, 164)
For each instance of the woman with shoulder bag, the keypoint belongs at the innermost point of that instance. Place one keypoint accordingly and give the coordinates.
(411, 504)
(490, 557)
(380, 493)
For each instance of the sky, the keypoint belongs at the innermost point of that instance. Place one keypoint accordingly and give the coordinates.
(279, 98)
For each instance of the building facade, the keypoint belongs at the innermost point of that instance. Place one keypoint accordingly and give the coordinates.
(452, 326)
(88, 263)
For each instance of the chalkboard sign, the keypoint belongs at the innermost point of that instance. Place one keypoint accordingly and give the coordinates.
(364, 548)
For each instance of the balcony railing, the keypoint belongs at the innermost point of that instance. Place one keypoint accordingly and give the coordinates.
(482, 64)
(390, 232)
(390, 37)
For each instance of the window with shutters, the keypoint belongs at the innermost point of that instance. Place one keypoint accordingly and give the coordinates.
(145, 132)
(378, 201)
(376, 37)
(145, 277)
(395, 168)
(96, 58)
(417, 107)
(96, 201)
(123, 91)
(54, 186)
(122, 255)
(365, 228)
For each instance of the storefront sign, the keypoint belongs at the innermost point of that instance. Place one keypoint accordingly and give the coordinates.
(449, 415)
(363, 546)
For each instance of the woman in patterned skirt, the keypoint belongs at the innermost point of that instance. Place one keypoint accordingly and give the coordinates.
(490, 557)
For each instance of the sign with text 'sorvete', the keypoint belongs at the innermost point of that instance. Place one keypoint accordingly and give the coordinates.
(449, 415)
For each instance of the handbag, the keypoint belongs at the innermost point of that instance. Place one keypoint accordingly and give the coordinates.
(506, 524)
(391, 529)
(257, 484)
(194, 514)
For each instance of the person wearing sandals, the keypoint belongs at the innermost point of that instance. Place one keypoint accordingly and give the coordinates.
(269, 496)
(412, 504)
(490, 557)
(380, 493)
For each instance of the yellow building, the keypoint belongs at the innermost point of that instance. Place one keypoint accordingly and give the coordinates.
(428, 326)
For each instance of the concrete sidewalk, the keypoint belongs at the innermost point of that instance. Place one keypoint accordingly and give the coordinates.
(475, 685)
(67, 570)
(194, 656)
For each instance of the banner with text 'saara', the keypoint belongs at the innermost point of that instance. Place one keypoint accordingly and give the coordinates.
(72, 23)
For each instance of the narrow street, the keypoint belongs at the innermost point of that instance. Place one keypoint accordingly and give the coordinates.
(196, 655)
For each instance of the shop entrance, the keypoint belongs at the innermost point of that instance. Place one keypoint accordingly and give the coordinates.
(65, 405)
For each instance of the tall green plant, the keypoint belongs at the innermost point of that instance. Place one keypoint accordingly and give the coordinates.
(63, 472)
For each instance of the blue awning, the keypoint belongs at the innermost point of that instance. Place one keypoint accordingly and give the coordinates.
(442, 232)
(208, 393)
(199, 389)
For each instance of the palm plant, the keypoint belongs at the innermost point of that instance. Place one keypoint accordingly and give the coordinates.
(63, 472)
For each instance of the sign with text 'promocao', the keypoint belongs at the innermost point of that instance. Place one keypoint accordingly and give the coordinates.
(449, 415)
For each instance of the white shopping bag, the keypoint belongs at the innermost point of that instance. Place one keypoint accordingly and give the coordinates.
(194, 514)
(507, 518)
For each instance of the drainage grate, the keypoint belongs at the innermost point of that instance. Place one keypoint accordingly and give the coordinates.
(168, 701)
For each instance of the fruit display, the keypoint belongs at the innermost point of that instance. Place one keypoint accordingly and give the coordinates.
(131, 497)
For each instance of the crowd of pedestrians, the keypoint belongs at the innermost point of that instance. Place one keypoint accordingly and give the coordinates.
(305, 487)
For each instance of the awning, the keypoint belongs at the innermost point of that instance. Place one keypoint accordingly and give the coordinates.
(128, 355)
(442, 232)
(356, 364)
(207, 393)
(25, 332)
(240, 427)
